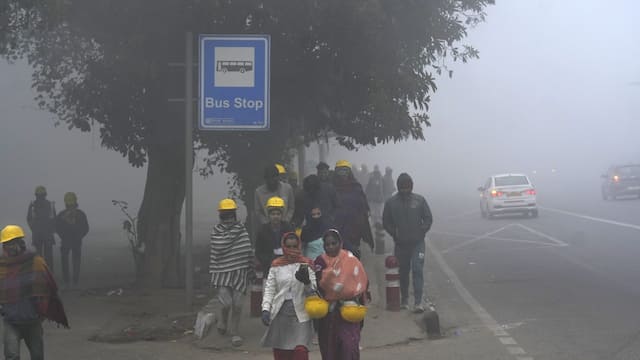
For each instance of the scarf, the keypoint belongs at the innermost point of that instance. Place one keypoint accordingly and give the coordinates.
(291, 256)
(230, 248)
(343, 277)
(26, 276)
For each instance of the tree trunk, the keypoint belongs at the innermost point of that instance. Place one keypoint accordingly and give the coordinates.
(159, 216)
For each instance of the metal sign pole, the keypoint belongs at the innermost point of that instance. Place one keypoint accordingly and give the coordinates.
(188, 213)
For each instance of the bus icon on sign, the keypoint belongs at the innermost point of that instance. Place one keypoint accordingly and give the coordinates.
(234, 66)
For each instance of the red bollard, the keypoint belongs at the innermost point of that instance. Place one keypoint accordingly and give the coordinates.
(256, 294)
(392, 277)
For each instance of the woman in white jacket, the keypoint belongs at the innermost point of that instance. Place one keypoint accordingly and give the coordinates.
(288, 284)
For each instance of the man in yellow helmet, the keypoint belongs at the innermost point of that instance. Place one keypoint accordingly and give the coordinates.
(269, 236)
(28, 294)
(72, 227)
(231, 267)
(272, 187)
(41, 219)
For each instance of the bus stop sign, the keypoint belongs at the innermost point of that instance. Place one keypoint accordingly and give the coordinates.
(234, 82)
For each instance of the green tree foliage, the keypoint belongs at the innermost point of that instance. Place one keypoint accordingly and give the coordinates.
(362, 70)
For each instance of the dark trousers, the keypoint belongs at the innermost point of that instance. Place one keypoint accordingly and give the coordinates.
(75, 248)
(411, 260)
(31, 333)
(44, 248)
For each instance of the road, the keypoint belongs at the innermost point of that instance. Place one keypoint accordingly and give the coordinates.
(561, 286)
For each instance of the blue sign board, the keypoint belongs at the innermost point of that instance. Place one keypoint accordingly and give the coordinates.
(234, 82)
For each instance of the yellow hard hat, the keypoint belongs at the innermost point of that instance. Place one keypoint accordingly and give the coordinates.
(227, 204)
(316, 307)
(275, 202)
(70, 198)
(41, 190)
(11, 232)
(298, 232)
(281, 169)
(343, 163)
(352, 312)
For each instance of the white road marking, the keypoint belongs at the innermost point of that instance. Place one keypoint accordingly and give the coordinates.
(515, 350)
(541, 234)
(593, 218)
(477, 238)
(507, 341)
(475, 306)
(497, 238)
(555, 241)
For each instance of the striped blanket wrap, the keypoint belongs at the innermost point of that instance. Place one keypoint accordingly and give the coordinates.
(230, 257)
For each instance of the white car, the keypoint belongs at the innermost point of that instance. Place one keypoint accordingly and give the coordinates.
(508, 194)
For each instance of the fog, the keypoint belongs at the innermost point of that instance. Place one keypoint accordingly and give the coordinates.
(553, 89)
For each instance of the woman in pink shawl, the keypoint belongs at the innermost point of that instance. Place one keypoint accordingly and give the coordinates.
(341, 277)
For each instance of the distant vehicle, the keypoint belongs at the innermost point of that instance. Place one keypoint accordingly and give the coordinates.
(508, 194)
(234, 66)
(621, 180)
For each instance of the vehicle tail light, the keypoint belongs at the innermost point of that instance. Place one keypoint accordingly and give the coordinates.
(496, 193)
(530, 192)
(616, 178)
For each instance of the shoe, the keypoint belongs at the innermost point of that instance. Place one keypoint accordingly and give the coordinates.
(404, 307)
(418, 309)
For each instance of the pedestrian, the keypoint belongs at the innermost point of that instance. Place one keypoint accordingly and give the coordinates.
(324, 173)
(28, 294)
(352, 214)
(41, 218)
(269, 239)
(342, 281)
(316, 225)
(407, 218)
(389, 186)
(282, 173)
(71, 227)
(231, 268)
(288, 284)
(363, 175)
(273, 187)
(316, 193)
(375, 194)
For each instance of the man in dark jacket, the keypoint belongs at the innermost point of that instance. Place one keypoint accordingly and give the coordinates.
(41, 219)
(407, 218)
(352, 214)
(268, 243)
(71, 226)
(28, 294)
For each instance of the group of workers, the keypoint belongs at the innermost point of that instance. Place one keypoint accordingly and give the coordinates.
(308, 243)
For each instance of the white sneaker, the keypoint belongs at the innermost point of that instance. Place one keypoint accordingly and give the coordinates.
(418, 309)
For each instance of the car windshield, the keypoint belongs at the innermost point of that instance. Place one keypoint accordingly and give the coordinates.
(632, 170)
(511, 180)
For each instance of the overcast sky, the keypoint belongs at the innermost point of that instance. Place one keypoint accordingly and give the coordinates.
(552, 89)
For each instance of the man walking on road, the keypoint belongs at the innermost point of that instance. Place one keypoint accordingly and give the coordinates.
(41, 218)
(407, 218)
(28, 294)
(72, 227)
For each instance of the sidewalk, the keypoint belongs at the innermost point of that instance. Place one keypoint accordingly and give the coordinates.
(142, 325)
